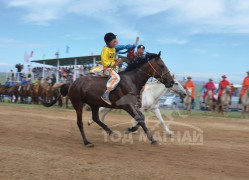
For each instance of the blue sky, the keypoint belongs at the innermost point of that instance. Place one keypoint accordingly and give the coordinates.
(201, 38)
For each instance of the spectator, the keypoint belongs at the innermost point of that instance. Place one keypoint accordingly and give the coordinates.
(24, 81)
(53, 79)
(7, 84)
(12, 75)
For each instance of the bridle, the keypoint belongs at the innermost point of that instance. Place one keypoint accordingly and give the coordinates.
(155, 72)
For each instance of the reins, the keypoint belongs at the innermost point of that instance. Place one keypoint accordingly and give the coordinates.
(155, 71)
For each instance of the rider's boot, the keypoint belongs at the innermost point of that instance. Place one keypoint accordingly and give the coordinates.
(105, 97)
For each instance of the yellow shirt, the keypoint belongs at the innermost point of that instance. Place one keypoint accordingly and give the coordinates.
(108, 57)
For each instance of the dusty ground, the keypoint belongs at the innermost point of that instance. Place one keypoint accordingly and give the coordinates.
(39, 143)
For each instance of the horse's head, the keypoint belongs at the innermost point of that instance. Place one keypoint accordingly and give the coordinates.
(159, 70)
(189, 91)
(210, 93)
(177, 87)
(228, 89)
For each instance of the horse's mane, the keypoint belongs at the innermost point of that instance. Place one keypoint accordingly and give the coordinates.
(140, 62)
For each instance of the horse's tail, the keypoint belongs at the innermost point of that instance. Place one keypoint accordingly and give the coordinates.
(64, 89)
(49, 104)
(63, 92)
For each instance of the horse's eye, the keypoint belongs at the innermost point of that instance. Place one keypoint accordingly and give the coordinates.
(161, 66)
(176, 84)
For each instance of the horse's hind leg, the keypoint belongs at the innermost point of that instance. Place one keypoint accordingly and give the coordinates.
(214, 107)
(104, 111)
(95, 117)
(78, 108)
(139, 117)
(134, 128)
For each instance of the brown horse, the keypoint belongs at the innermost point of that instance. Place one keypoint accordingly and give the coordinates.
(88, 89)
(3, 91)
(13, 92)
(45, 92)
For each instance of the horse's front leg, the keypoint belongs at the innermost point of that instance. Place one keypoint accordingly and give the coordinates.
(246, 111)
(157, 112)
(189, 108)
(104, 111)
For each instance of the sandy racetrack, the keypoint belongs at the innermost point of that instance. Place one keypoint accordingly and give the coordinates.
(40, 143)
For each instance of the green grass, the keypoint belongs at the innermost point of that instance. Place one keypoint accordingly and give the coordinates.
(199, 114)
(31, 106)
(165, 113)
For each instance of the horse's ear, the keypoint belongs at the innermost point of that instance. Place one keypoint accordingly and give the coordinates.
(159, 54)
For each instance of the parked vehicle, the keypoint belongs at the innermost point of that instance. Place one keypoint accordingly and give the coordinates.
(170, 101)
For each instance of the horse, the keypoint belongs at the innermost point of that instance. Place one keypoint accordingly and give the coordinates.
(210, 101)
(45, 92)
(225, 99)
(245, 103)
(187, 101)
(2, 92)
(88, 89)
(150, 98)
(13, 92)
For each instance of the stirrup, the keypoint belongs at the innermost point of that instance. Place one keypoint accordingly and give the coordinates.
(106, 99)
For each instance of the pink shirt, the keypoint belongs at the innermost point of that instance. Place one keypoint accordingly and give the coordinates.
(210, 85)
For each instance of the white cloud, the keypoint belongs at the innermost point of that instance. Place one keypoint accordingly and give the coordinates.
(2, 64)
(201, 10)
(215, 16)
(143, 8)
(7, 40)
(200, 16)
(174, 41)
(39, 12)
(92, 7)
(14, 43)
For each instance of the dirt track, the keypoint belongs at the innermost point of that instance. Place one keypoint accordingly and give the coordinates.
(39, 143)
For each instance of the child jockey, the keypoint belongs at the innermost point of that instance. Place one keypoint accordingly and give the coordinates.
(109, 62)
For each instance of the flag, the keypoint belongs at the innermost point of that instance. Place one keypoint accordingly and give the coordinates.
(56, 55)
(26, 57)
(67, 49)
(31, 54)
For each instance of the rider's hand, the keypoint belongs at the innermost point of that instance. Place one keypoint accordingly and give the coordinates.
(118, 61)
(136, 42)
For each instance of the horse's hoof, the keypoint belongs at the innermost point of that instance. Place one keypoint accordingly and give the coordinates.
(113, 134)
(135, 132)
(90, 145)
(171, 134)
(154, 142)
(128, 131)
(89, 123)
